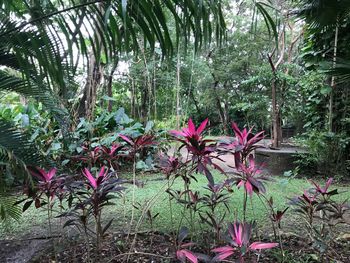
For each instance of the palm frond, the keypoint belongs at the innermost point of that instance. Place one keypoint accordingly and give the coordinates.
(120, 23)
(341, 71)
(323, 14)
(8, 209)
(15, 146)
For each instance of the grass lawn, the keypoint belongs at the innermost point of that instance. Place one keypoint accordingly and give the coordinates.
(153, 193)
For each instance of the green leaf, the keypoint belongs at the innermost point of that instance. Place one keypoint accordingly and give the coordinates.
(271, 25)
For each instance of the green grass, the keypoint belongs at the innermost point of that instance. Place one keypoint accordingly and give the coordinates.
(154, 192)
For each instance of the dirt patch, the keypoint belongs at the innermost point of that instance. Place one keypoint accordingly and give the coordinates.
(22, 251)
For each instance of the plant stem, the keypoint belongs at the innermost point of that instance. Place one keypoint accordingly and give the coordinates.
(98, 231)
(133, 195)
(49, 214)
(170, 206)
(87, 243)
(245, 198)
(271, 213)
(280, 241)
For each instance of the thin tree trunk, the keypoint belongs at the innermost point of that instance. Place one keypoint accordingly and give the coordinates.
(275, 121)
(274, 113)
(154, 87)
(133, 110)
(144, 103)
(221, 114)
(109, 86)
(333, 84)
(178, 67)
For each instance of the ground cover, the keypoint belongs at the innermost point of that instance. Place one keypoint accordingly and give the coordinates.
(32, 229)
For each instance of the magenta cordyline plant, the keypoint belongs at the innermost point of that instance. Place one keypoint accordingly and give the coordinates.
(89, 157)
(324, 190)
(278, 215)
(200, 159)
(50, 186)
(95, 182)
(208, 206)
(183, 253)
(136, 147)
(321, 214)
(169, 164)
(138, 144)
(96, 199)
(240, 234)
(111, 154)
(248, 176)
(244, 144)
(200, 149)
(100, 156)
(276, 218)
(47, 185)
(89, 197)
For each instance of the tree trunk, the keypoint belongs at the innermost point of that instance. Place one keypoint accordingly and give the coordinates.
(133, 94)
(222, 115)
(333, 84)
(275, 115)
(178, 67)
(144, 103)
(109, 86)
(93, 81)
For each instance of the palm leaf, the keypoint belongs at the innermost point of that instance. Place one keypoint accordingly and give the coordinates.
(341, 70)
(8, 209)
(16, 146)
(131, 17)
(323, 14)
(270, 23)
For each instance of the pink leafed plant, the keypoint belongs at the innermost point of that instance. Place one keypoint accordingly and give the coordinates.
(324, 190)
(248, 176)
(95, 182)
(202, 151)
(190, 133)
(240, 234)
(184, 254)
(42, 175)
(244, 144)
(139, 142)
(168, 164)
